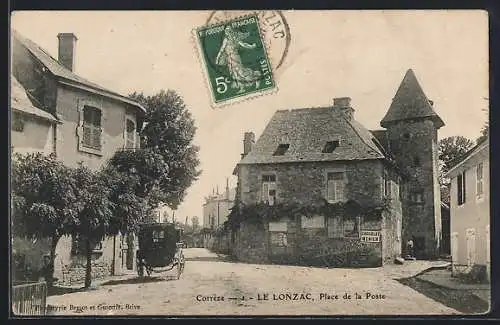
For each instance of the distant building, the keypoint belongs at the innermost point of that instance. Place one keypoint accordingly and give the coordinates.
(217, 207)
(470, 212)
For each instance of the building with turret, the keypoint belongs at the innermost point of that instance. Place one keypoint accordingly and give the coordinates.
(317, 187)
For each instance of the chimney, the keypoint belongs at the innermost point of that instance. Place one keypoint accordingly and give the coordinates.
(248, 142)
(344, 104)
(67, 49)
(227, 189)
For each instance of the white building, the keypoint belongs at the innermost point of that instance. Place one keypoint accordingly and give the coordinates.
(470, 212)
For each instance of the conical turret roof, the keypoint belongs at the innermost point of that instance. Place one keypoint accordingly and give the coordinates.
(410, 102)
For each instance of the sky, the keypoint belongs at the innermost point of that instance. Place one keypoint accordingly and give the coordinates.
(359, 54)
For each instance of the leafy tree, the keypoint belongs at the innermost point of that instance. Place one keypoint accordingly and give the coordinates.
(133, 181)
(169, 130)
(94, 211)
(43, 198)
(451, 149)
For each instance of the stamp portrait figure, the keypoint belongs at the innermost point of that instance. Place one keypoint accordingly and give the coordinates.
(229, 56)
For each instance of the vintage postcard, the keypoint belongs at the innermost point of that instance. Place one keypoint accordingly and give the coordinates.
(243, 163)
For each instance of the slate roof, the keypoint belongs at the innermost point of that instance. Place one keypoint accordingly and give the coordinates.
(62, 73)
(19, 101)
(381, 136)
(306, 131)
(410, 102)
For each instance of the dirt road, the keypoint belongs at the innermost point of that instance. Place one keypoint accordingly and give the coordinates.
(212, 287)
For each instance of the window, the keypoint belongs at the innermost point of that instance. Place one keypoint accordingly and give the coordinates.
(387, 185)
(330, 146)
(334, 227)
(282, 148)
(479, 180)
(416, 161)
(78, 246)
(269, 189)
(130, 136)
(313, 222)
(335, 187)
(395, 189)
(417, 197)
(17, 123)
(158, 235)
(278, 236)
(351, 227)
(461, 188)
(92, 127)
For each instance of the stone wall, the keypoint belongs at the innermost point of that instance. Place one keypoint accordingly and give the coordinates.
(305, 183)
(311, 247)
(75, 274)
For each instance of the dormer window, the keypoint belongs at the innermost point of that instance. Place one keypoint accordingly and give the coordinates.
(282, 148)
(330, 146)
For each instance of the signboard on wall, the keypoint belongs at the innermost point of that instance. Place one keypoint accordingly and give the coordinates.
(371, 236)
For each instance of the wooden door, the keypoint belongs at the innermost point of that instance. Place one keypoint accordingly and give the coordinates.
(454, 248)
(471, 246)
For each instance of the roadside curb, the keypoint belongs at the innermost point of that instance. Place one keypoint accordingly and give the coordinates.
(471, 292)
(97, 282)
(432, 268)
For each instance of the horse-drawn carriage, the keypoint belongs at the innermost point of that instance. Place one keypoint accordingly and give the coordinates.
(160, 246)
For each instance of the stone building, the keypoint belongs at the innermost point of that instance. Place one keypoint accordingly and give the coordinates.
(322, 161)
(78, 121)
(411, 135)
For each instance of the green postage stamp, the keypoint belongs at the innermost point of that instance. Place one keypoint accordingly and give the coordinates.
(235, 60)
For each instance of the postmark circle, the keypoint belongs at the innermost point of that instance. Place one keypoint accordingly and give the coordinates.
(274, 29)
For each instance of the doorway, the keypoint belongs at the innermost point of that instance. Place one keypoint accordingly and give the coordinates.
(419, 247)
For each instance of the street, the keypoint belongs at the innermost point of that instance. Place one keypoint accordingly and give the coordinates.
(208, 284)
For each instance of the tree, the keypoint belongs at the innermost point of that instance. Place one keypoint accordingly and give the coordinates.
(43, 198)
(94, 212)
(169, 130)
(485, 130)
(133, 181)
(451, 149)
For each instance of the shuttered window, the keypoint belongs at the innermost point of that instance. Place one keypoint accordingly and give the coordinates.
(130, 130)
(479, 180)
(461, 188)
(335, 187)
(269, 189)
(92, 127)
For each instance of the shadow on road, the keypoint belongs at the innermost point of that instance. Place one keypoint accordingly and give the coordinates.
(140, 280)
(57, 291)
(463, 301)
(218, 258)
